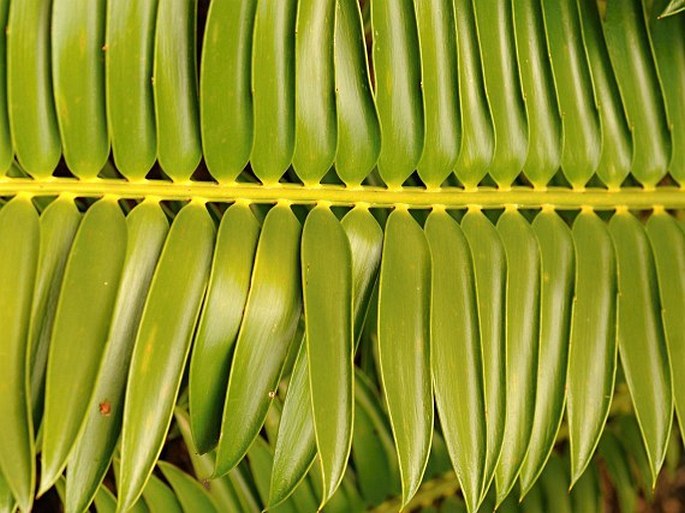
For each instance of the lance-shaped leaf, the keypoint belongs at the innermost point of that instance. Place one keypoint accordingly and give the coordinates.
(641, 340)
(403, 344)
(456, 354)
(147, 227)
(523, 335)
(668, 244)
(160, 498)
(315, 120)
(222, 312)
(397, 69)
(359, 138)
(618, 468)
(174, 78)
(35, 135)
(82, 321)
(190, 493)
(273, 89)
(162, 346)
(327, 295)
(19, 231)
(593, 349)
(556, 294)
(269, 323)
(296, 444)
(129, 54)
(490, 267)
(586, 495)
(225, 87)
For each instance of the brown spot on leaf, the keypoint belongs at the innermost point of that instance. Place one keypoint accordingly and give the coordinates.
(105, 408)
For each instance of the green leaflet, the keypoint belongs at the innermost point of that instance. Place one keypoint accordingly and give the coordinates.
(403, 344)
(554, 483)
(190, 493)
(221, 488)
(35, 136)
(19, 229)
(159, 497)
(581, 135)
(174, 80)
(616, 152)
(373, 451)
(296, 444)
(261, 461)
(78, 81)
(269, 323)
(503, 87)
(222, 312)
(523, 339)
(439, 82)
(668, 244)
(128, 69)
(668, 46)
(6, 151)
(58, 225)
(397, 70)
(630, 437)
(641, 339)
(586, 496)
(359, 138)
(618, 468)
(90, 458)
(225, 87)
(631, 56)
(542, 110)
(592, 348)
(558, 271)
(81, 326)
(490, 267)
(273, 89)
(315, 119)
(162, 346)
(327, 296)
(456, 354)
(7, 503)
(477, 137)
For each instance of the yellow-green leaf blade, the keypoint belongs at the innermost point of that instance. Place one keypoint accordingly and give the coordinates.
(631, 55)
(641, 340)
(359, 138)
(593, 349)
(498, 53)
(490, 267)
(327, 294)
(35, 135)
(82, 320)
(439, 82)
(558, 271)
(174, 80)
(190, 493)
(78, 78)
(581, 135)
(522, 332)
(397, 68)
(403, 344)
(225, 87)
(273, 89)
(6, 150)
(128, 69)
(269, 323)
(147, 228)
(315, 120)
(162, 346)
(222, 312)
(160, 498)
(19, 232)
(456, 354)
(668, 244)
